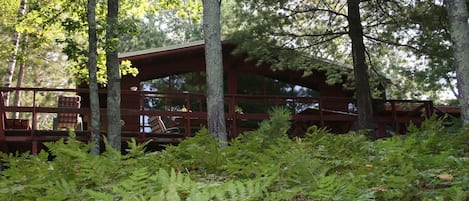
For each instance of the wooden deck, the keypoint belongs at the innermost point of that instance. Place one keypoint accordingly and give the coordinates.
(187, 112)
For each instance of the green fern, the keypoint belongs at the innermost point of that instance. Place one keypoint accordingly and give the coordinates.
(260, 165)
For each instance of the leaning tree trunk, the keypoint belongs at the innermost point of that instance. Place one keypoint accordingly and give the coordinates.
(113, 76)
(19, 83)
(214, 68)
(458, 17)
(12, 59)
(360, 69)
(93, 86)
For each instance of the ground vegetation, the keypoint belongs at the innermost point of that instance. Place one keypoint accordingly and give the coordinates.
(430, 162)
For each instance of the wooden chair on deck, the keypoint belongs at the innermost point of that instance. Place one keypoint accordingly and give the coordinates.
(68, 120)
(158, 127)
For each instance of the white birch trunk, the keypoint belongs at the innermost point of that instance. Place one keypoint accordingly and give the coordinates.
(7, 82)
(458, 17)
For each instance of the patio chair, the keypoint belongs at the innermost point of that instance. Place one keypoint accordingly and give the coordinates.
(158, 127)
(68, 120)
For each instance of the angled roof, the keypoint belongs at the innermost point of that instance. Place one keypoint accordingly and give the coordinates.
(160, 62)
(139, 54)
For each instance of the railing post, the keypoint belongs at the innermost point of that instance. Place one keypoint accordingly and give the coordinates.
(429, 109)
(293, 105)
(141, 115)
(188, 101)
(321, 114)
(2, 117)
(34, 146)
(234, 116)
(188, 125)
(201, 105)
(34, 112)
(394, 117)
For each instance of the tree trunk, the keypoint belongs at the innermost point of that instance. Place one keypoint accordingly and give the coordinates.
(214, 68)
(19, 83)
(113, 76)
(12, 60)
(93, 86)
(360, 68)
(458, 17)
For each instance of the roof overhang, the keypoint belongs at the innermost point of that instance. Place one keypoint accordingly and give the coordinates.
(161, 51)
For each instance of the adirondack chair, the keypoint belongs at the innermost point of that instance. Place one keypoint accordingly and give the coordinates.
(158, 126)
(68, 120)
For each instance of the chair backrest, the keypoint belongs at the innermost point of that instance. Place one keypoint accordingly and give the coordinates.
(68, 120)
(157, 124)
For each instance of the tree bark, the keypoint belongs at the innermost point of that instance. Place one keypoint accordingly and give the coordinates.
(19, 83)
(360, 68)
(458, 17)
(93, 85)
(214, 68)
(113, 76)
(12, 59)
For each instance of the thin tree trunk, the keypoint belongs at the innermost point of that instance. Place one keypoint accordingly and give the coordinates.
(93, 86)
(458, 17)
(214, 68)
(113, 76)
(19, 83)
(360, 68)
(12, 59)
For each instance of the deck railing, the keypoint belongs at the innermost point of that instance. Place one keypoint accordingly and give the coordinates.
(188, 111)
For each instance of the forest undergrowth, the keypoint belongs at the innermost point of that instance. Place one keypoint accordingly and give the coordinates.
(429, 163)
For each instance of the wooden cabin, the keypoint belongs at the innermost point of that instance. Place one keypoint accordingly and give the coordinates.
(165, 114)
(161, 63)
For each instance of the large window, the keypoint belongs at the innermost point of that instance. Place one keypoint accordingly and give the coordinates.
(250, 86)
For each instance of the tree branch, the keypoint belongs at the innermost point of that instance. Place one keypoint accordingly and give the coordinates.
(310, 35)
(448, 80)
(373, 67)
(295, 12)
(378, 23)
(380, 7)
(324, 41)
(390, 42)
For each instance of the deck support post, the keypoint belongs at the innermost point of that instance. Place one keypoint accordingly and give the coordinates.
(35, 147)
(232, 89)
(394, 117)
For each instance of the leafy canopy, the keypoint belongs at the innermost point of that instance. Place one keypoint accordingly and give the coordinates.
(64, 22)
(407, 41)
